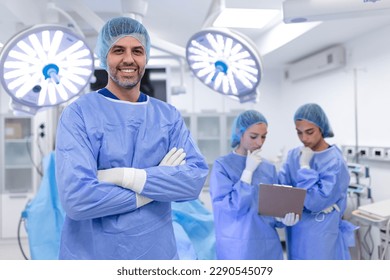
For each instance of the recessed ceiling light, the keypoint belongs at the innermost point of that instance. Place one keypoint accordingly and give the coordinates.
(245, 18)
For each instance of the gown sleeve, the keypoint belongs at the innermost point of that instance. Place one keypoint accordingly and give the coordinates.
(235, 196)
(325, 182)
(323, 188)
(182, 182)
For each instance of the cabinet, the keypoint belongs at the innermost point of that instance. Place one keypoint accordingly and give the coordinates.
(16, 171)
(211, 132)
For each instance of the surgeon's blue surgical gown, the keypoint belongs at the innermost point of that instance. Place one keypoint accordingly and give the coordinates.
(102, 221)
(241, 233)
(317, 235)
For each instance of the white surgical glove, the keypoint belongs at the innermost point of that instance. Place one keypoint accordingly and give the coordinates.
(174, 157)
(306, 156)
(130, 178)
(253, 160)
(331, 208)
(142, 200)
(289, 219)
(127, 177)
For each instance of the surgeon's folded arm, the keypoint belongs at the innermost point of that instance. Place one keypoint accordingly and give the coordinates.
(135, 179)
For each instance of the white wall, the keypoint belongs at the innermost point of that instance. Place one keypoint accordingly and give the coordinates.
(4, 101)
(371, 56)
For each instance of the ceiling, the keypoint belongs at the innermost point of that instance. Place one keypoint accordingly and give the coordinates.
(172, 22)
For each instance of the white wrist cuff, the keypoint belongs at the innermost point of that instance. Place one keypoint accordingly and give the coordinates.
(142, 200)
(305, 166)
(112, 175)
(246, 176)
(134, 179)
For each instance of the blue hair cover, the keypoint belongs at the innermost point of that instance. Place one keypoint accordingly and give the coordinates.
(242, 122)
(116, 29)
(313, 113)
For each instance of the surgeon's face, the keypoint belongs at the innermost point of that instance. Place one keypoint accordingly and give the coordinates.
(253, 138)
(310, 135)
(126, 61)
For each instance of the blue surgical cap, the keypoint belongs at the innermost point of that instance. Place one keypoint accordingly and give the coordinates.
(313, 113)
(242, 122)
(116, 29)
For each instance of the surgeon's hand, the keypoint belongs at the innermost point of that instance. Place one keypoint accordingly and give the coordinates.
(253, 160)
(306, 156)
(130, 178)
(127, 177)
(331, 208)
(289, 219)
(174, 157)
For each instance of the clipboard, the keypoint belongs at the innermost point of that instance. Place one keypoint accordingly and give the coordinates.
(278, 200)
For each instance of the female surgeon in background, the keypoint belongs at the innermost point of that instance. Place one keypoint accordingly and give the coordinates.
(321, 170)
(241, 233)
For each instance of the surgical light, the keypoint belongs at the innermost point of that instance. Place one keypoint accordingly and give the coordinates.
(226, 62)
(44, 66)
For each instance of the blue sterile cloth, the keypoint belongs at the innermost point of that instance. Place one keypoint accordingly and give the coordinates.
(198, 224)
(44, 216)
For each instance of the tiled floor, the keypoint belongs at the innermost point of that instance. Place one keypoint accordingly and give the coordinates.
(10, 249)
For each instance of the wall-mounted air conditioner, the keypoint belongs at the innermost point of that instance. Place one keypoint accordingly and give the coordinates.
(321, 10)
(330, 59)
